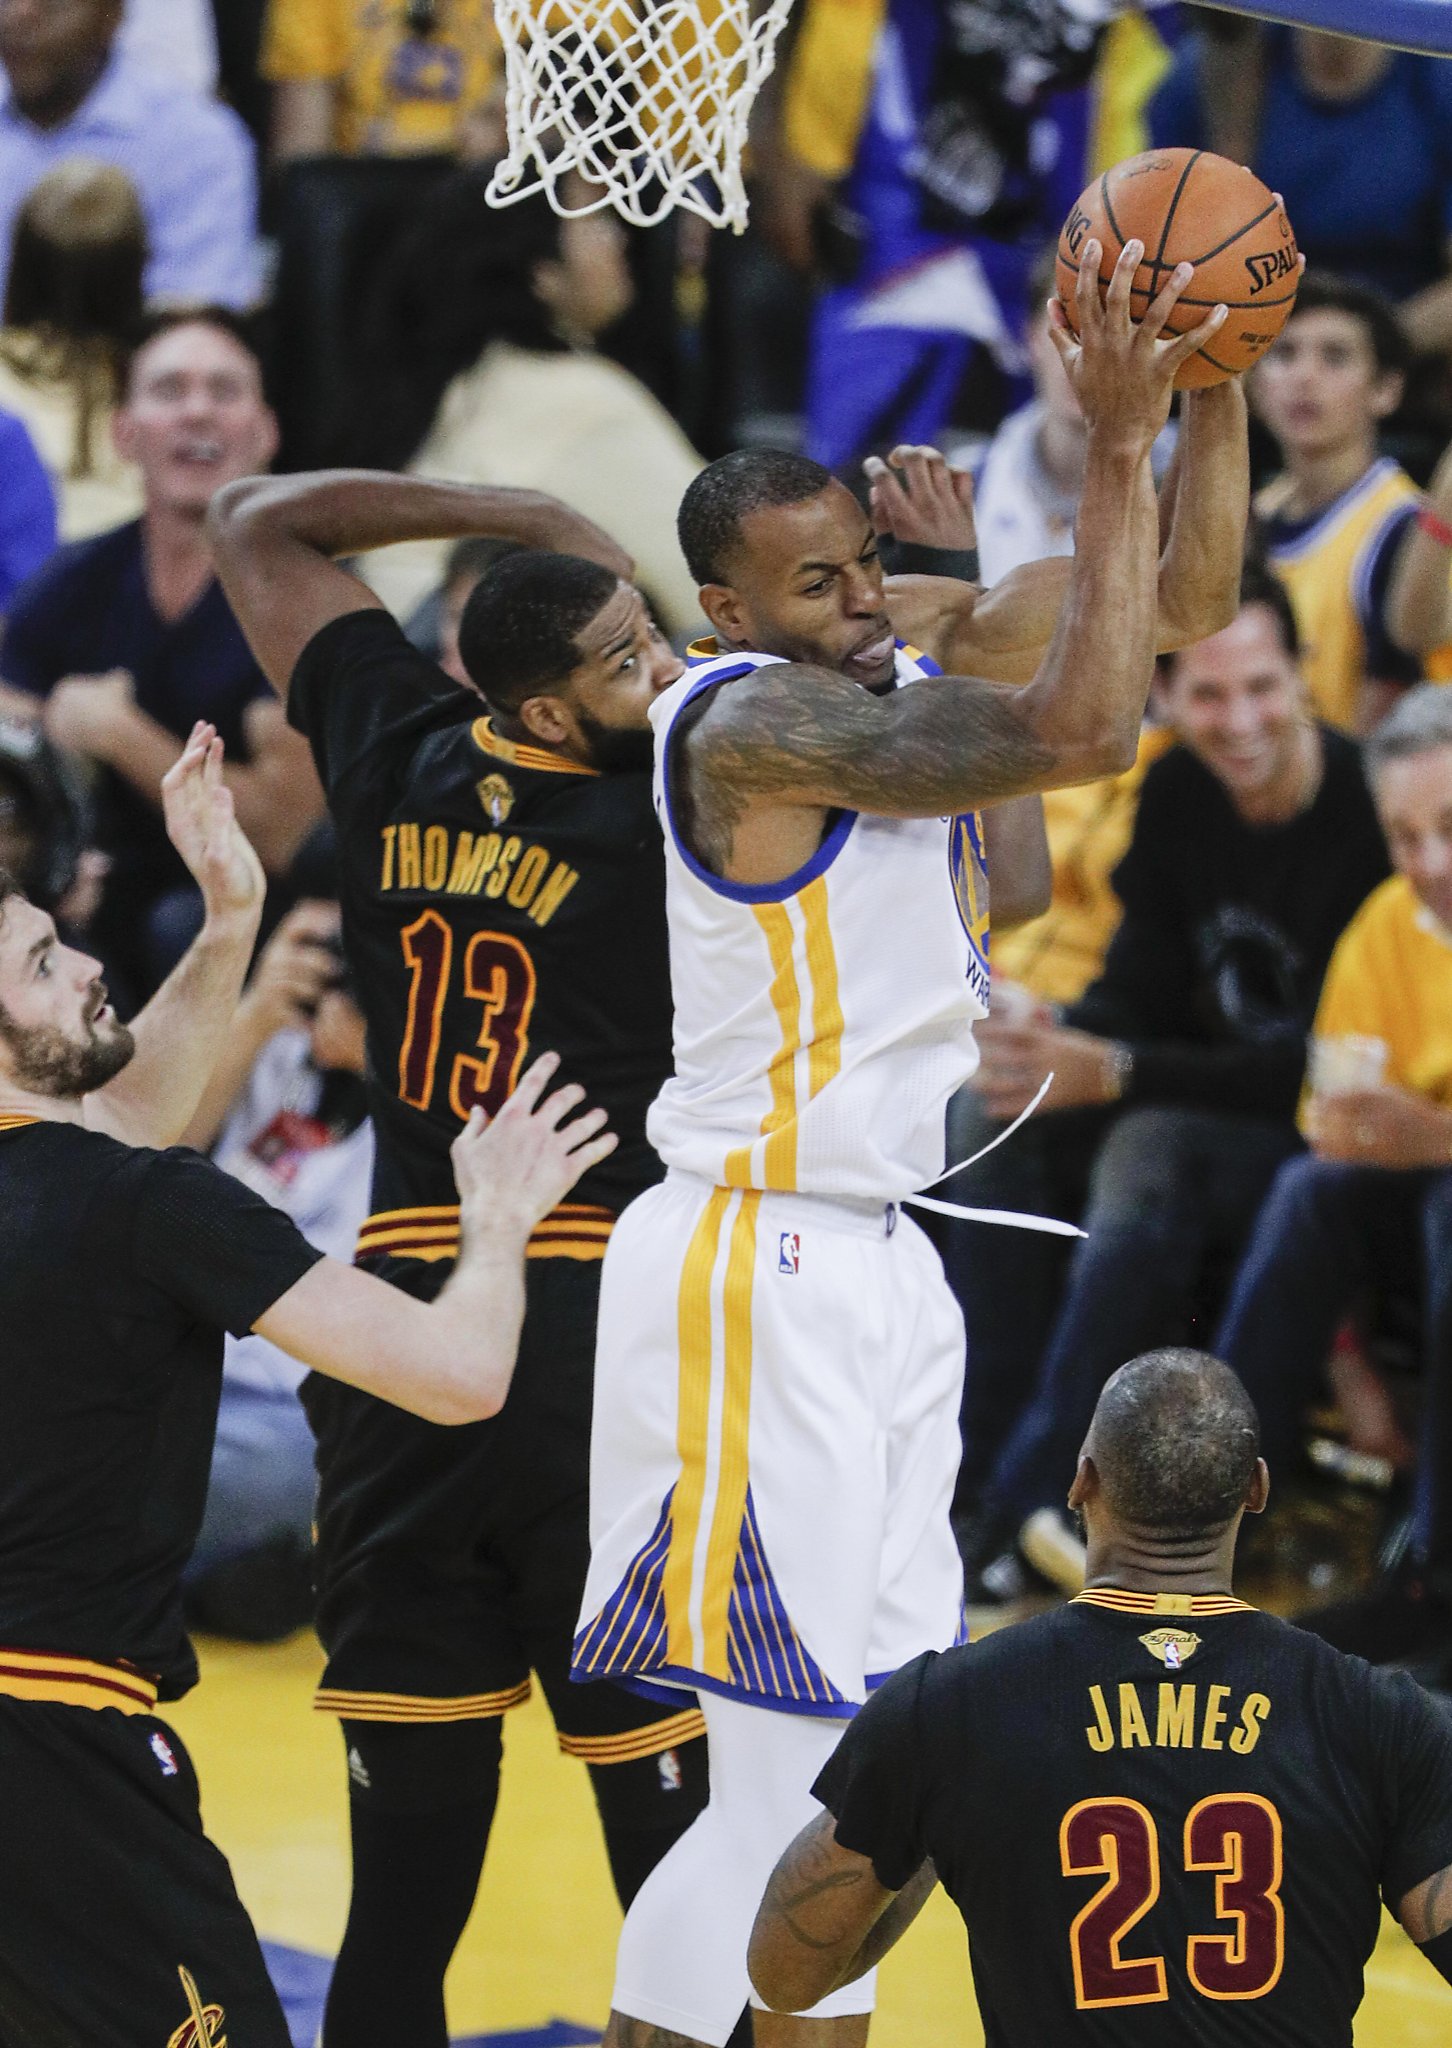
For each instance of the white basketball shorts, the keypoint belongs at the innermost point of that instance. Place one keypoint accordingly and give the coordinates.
(774, 1451)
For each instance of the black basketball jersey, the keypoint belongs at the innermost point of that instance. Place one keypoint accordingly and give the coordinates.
(120, 1269)
(498, 902)
(1164, 1819)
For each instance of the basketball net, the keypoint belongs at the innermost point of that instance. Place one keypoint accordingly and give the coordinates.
(647, 101)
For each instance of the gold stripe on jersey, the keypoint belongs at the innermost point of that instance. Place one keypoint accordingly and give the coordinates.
(15, 1123)
(1120, 1600)
(418, 1707)
(693, 1330)
(730, 1508)
(636, 1742)
(574, 1230)
(53, 1677)
(522, 755)
(824, 1060)
(824, 1045)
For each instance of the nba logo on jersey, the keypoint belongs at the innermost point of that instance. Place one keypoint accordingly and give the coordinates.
(161, 1749)
(789, 1253)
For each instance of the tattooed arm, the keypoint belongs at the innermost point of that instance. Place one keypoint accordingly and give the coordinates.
(1426, 1914)
(826, 1920)
(773, 751)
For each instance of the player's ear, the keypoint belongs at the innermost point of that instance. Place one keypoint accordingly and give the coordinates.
(545, 719)
(1086, 1483)
(723, 608)
(1258, 1491)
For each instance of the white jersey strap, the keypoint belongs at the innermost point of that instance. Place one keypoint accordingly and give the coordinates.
(1012, 1219)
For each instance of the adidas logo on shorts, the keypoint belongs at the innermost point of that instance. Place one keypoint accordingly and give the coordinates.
(358, 1772)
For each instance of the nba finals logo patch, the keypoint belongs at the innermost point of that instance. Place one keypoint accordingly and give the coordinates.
(789, 1252)
(162, 1750)
(1173, 1646)
(496, 796)
(204, 2023)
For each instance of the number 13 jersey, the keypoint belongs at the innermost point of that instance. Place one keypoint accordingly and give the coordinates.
(499, 901)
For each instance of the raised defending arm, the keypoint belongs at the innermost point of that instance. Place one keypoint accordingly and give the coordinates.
(451, 1360)
(275, 539)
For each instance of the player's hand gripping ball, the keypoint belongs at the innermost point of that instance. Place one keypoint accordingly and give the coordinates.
(1188, 206)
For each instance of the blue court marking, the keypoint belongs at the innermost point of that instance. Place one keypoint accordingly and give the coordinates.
(302, 1984)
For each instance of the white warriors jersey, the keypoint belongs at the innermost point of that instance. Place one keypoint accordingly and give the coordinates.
(822, 1022)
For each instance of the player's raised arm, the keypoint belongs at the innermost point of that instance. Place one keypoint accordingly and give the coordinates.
(274, 539)
(786, 735)
(1000, 633)
(178, 1034)
(451, 1360)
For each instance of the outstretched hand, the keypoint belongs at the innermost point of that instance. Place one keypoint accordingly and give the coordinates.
(513, 1169)
(918, 496)
(201, 824)
(1121, 370)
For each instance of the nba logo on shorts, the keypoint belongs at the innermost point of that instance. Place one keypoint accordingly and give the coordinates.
(162, 1751)
(789, 1256)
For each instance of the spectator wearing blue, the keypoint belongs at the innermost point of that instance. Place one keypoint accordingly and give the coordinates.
(70, 93)
(1357, 138)
(27, 509)
(129, 639)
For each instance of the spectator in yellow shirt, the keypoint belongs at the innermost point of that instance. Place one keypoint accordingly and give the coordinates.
(1370, 1206)
(382, 77)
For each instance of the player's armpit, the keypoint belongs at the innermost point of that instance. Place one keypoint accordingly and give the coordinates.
(825, 1919)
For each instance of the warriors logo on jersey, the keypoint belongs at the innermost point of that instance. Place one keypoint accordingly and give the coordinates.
(969, 866)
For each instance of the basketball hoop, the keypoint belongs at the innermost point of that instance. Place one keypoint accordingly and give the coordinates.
(645, 100)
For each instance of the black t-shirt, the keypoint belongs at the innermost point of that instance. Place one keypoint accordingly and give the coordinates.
(1163, 1820)
(89, 610)
(1214, 973)
(498, 902)
(120, 1268)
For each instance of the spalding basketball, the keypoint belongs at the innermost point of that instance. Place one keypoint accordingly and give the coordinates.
(1188, 206)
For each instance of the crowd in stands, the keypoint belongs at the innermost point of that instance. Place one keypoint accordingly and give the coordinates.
(260, 235)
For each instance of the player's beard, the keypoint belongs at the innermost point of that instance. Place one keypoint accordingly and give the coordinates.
(615, 749)
(46, 1062)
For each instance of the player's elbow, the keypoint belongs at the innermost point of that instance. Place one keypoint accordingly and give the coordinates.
(238, 510)
(785, 1981)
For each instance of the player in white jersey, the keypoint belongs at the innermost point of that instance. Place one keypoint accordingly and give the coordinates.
(779, 1362)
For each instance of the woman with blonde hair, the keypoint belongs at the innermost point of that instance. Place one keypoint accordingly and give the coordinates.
(72, 298)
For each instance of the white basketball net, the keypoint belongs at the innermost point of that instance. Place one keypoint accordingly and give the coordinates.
(648, 103)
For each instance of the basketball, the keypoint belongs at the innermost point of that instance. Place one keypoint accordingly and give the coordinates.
(1188, 206)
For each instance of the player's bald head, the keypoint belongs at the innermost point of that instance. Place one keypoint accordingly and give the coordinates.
(725, 494)
(1174, 1440)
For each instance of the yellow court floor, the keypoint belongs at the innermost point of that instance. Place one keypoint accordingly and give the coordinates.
(539, 1946)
